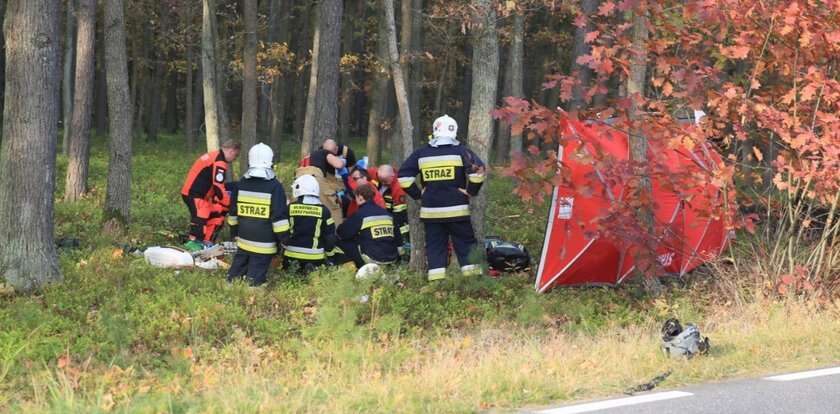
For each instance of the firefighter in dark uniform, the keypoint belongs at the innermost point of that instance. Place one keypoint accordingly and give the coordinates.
(205, 194)
(259, 218)
(312, 232)
(450, 174)
(369, 235)
(394, 197)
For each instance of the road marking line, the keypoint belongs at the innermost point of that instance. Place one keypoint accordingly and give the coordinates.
(621, 402)
(804, 375)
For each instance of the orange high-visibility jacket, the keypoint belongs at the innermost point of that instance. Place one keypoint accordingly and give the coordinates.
(206, 179)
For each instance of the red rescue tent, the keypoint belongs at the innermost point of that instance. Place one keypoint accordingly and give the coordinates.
(690, 233)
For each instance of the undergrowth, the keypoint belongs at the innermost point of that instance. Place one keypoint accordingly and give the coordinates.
(120, 335)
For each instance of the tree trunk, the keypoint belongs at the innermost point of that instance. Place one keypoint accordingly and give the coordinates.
(410, 39)
(79, 157)
(28, 259)
(118, 193)
(346, 92)
(208, 69)
(322, 103)
(378, 98)
(485, 75)
(418, 243)
(517, 71)
(100, 89)
(221, 79)
(501, 145)
(141, 74)
(69, 71)
(198, 104)
(2, 66)
(154, 101)
(582, 72)
(249, 83)
(264, 89)
(171, 111)
(189, 121)
(441, 82)
(301, 86)
(278, 90)
(639, 147)
(517, 77)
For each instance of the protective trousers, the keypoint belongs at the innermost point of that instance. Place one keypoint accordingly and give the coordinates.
(329, 186)
(437, 247)
(254, 266)
(205, 218)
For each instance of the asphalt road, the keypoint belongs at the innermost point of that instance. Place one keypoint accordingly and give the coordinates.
(808, 392)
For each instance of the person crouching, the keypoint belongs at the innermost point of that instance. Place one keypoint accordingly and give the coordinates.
(369, 235)
(312, 232)
(259, 218)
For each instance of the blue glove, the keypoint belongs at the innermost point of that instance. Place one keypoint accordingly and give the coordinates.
(344, 172)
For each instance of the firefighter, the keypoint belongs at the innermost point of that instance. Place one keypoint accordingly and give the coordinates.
(368, 236)
(394, 197)
(450, 175)
(206, 196)
(312, 232)
(327, 165)
(259, 218)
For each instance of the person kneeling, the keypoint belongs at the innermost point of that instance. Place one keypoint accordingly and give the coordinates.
(259, 219)
(368, 236)
(312, 228)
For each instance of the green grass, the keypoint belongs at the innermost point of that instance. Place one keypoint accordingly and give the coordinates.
(118, 335)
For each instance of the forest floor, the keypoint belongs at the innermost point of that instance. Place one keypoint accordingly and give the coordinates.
(120, 336)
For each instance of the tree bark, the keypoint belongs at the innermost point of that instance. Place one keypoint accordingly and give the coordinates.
(639, 146)
(118, 193)
(485, 75)
(69, 71)
(418, 243)
(2, 66)
(322, 103)
(79, 156)
(506, 143)
(189, 121)
(208, 69)
(100, 88)
(445, 74)
(154, 101)
(221, 72)
(378, 98)
(517, 72)
(303, 44)
(249, 83)
(32, 28)
(346, 91)
(198, 104)
(412, 13)
(280, 85)
(581, 48)
(141, 73)
(171, 112)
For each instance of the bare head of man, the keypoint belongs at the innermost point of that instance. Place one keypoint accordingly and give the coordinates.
(231, 150)
(330, 146)
(385, 173)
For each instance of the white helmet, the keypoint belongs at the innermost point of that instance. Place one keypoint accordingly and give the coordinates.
(260, 156)
(305, 185)
(368, 271)
(445, 127)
